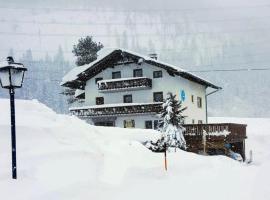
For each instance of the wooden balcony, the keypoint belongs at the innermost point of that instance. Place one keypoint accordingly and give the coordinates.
(117, 109)
(123, 84)
(217, 137)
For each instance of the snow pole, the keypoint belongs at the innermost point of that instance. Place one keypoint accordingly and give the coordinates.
(165, 158)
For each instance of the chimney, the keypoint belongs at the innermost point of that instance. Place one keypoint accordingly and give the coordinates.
(153, 56)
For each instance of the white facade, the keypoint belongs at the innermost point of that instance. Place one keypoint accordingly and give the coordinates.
(104, 93)
(165, 84)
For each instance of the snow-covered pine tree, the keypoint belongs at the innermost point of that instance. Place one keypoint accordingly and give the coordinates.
(170, 126)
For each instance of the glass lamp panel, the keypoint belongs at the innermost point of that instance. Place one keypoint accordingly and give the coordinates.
(16, 77)
(4, 78)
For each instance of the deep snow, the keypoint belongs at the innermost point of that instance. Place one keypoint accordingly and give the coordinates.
(62, 157)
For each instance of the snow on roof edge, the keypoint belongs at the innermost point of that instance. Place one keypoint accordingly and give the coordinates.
(73, 75)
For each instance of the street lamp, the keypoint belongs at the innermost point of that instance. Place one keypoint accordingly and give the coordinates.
(11, 77)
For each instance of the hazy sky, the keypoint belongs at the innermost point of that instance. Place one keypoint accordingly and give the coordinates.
(44, 25)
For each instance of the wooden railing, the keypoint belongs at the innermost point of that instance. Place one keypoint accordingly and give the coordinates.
(228, 132)
(121, 109)
(218, 137)
(124, 84)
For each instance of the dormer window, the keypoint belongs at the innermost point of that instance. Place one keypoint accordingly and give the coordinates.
(137, 73)
(116, 75)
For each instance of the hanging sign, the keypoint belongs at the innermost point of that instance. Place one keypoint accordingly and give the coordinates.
(182, 95)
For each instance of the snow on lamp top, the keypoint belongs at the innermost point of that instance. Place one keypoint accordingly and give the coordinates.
(11, 73)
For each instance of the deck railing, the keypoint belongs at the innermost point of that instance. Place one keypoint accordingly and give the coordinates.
(223, 131)
(133, 83)
(114, 110)
(216, 136)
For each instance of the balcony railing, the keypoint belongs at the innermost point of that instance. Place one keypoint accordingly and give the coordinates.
(133, 83)
(117, 109)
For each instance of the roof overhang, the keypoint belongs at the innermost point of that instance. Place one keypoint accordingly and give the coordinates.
(116, 55)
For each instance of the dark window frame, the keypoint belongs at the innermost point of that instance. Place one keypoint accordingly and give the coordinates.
(156, 124)
(200, 121)
(199, 102)
(127, 96)
(99, 100)
(114, 73)
(155, 98)
(192, 98)
(137, 70)
(148, 124)
(157, 74)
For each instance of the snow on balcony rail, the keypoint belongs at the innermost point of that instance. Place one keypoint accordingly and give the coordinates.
(117, 109)
(120, 79)
(125, 84)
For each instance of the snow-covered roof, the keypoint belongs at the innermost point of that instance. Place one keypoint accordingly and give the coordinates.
(79, 93)
(6, 63)
(76, 78)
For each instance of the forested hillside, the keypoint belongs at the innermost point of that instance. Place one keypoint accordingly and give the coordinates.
(223, 38)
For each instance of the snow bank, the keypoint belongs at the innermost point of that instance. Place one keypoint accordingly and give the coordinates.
(62, 157)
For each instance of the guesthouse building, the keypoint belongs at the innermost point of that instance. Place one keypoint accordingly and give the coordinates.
(125, 89)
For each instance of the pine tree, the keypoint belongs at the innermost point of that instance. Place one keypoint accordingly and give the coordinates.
(86, 50)
(170, 126)
(172, 120)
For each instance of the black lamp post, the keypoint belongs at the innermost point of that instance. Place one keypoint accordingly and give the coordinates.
(11, 77)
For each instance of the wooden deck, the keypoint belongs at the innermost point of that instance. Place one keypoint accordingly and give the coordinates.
(217, 136)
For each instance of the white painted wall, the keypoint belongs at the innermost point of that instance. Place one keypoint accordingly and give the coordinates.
(165, 84)
(139, 120)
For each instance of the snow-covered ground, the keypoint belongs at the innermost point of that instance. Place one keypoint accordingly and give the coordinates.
(61, 157)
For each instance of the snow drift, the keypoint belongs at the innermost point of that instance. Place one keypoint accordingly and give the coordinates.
(62, 157)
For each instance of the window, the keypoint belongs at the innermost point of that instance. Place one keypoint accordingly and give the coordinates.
(192, 98)
(129, 123)
(156, 124)
(199, 102)
(128, 98)
(137, 73)
(98, 79)
(193, 121)
(157, 74)
(99, 100)
(148, 124)
(199, 121)
(116, 75)
(158, 96)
